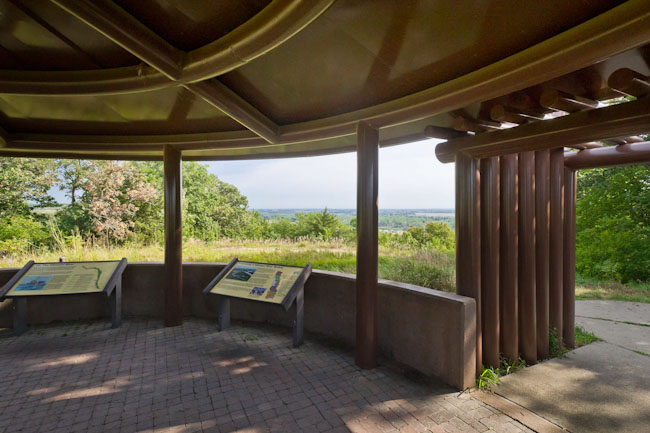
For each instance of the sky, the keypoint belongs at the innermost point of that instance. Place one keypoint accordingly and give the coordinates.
(410, 177)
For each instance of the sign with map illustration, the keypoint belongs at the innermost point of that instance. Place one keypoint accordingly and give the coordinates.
(259, 281)
(63, 278)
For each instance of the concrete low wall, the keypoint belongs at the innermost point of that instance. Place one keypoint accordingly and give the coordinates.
(428, 330)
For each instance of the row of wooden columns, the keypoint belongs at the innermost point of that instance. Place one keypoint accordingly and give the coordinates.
(515, 255)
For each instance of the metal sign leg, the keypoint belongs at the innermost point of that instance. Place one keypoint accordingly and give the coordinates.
(20, 315)
(116, 305)
(223, 307)
(299, 318)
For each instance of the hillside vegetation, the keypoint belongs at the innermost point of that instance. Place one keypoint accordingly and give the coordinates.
(115, 211)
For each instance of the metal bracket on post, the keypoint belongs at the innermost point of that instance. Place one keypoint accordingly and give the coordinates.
(223, 308)
(20, 315)
(116, 305)
(299, 317)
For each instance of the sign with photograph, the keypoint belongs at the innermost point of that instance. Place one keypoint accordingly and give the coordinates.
(259, 281)
(63, 278)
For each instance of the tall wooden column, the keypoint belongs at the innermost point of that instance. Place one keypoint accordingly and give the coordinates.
(556, 268)
(569, 281)
(367, 233)
(490, 260)
(509, 258)
(173, 238)
(542, 209)
(527, 280)
(468, 238)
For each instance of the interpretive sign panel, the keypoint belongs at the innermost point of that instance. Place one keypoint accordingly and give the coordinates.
(274, 284)
(63, 278)
(258, 281)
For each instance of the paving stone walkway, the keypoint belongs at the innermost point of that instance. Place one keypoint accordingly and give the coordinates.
(599, 388)
(142, 377)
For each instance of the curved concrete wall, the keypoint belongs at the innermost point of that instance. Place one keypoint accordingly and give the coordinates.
(428, 330)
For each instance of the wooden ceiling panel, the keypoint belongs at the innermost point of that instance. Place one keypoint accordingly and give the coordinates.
(172, 110)
(352, 58)
(41, 36)
(190, 24)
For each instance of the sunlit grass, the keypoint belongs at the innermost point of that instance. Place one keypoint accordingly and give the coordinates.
(426, 268)
(431, 269)
(612, 291)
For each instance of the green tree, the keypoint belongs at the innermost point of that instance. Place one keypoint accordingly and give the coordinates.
(72, 176)
(321, 225)
(25, 182)
(282, 228)
(213, 208)
(613, 223)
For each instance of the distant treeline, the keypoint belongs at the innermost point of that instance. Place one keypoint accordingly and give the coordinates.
(390, 220)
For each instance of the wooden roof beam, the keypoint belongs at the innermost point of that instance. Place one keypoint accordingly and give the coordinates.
(442, 133)
(501, 113)
(466, 124)
(562, 101)
(615, 121)
(629, 82)
(217, 94)
(117, 25)
(113, 22)
(583, 146)
(626, 154)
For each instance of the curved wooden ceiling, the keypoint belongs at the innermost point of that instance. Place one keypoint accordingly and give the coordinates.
(256, 78)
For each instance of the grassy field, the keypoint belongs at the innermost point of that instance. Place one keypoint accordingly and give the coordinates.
(424, 268)
(421, 267)
(612, 291)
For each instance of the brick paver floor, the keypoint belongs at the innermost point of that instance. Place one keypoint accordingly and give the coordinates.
(144, 377)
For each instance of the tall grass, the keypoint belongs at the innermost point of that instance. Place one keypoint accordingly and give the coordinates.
(426, 268)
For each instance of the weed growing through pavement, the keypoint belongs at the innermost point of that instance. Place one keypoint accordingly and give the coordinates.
(492, 376)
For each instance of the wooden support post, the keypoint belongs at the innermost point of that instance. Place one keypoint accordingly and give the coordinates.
(223, 312)
(556, 241)
(468, 238)
(20, 315)
(490, 260)
(173, 238)
(569, 281)
(116, 304)
(299, 318)
(509, 258)
(367, 239)
(527, 280)
(542, 209)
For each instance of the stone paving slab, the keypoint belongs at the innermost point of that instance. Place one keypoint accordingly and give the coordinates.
(144, 377)
(615, 310)
(602, 387)
(632, 337)
(596, 388)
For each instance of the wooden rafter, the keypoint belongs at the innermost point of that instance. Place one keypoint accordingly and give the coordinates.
(625, 154)
(615, 121)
